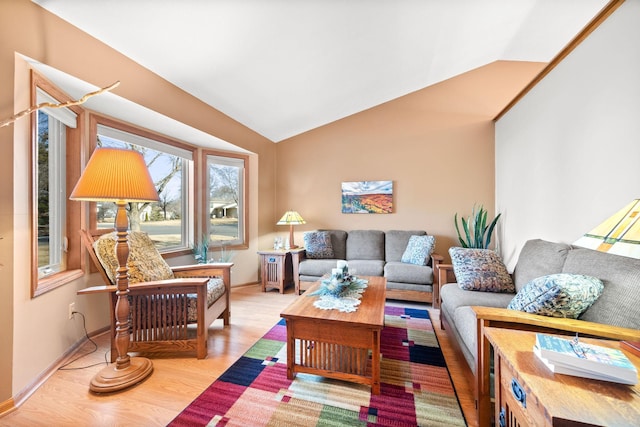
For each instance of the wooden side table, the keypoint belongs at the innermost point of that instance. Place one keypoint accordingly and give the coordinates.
(529, 394)
(276, 269)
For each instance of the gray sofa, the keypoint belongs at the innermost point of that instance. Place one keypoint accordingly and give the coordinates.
(614, 315)
(371, 253)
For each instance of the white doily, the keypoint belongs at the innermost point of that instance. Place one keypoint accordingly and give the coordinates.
(344, 304)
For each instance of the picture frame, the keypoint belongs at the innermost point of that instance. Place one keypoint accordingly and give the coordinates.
(367, 197)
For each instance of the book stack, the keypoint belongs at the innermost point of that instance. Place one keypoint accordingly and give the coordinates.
(571, 357)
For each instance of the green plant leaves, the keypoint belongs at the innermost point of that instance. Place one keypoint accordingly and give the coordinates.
(477, 234)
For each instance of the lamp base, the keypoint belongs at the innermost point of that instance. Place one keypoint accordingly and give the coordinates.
(110, 379)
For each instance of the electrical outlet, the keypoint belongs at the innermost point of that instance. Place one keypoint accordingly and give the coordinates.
(72, 308)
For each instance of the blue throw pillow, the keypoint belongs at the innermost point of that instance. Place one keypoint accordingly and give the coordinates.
(558, 295)
(480, 270)
(419, 249)
(318, 244)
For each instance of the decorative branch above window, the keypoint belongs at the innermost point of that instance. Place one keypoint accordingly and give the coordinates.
(42, 105)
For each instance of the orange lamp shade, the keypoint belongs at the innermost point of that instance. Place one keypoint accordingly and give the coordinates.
(114, 174)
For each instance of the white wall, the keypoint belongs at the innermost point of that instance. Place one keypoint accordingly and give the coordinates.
(567, 154)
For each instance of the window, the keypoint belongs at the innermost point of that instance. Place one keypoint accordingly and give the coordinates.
(171, 168)
(55, 167)
(225, 200)
(50, 170)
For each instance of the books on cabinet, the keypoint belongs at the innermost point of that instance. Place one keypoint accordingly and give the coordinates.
(572, 357)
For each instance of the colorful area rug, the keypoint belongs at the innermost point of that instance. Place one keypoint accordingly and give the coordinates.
(416, 388)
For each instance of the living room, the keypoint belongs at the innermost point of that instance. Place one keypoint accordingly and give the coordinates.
(440, 145)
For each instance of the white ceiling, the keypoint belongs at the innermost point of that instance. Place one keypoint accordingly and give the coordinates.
(283, 67)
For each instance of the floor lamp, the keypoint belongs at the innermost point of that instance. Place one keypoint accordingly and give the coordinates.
(119, 176)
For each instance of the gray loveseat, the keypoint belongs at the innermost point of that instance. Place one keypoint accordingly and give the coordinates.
(372, 253)
(614, 315)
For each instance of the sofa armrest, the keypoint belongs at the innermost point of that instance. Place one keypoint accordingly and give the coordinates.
(442, 274)
(512, 319)
(296, 257)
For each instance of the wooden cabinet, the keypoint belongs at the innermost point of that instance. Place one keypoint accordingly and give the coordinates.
(276, 270)
(527, 393)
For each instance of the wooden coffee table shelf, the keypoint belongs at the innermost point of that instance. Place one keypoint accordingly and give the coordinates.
(335, 344)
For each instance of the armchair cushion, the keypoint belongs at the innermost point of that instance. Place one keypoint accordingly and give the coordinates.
(215, 289)
(480, 270)
(558, 295)
(318, 245)
(418, 250)
(145, 262)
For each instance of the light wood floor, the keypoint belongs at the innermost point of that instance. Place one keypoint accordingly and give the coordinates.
(64, 399)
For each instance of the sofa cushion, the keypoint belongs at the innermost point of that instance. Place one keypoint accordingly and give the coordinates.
(370, 267)
(419, 250)
(366, 245)
(408, 273)
(558, 295)
(480, 270)
(620, 300)
(145, 262)
(338, 242)
(539, 258)
(395, 243)
(316, 267)
(453, 297)
(465, 321)
(318, 244)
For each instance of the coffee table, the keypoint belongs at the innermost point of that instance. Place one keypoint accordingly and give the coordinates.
(334, 344)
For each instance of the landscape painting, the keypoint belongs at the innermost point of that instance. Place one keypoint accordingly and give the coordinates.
(367, 197)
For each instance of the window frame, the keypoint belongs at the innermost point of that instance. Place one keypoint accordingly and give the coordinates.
(244, 214)
(74, 210)
(187, 178)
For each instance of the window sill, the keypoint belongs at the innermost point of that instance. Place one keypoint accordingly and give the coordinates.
(54, 281)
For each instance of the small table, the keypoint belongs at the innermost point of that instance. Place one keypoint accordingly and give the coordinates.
(276, 270)
(334, 344)
(529, 394)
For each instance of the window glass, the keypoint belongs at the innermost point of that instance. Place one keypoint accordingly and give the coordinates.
(166, 221)
(51, 189)
(225, 200)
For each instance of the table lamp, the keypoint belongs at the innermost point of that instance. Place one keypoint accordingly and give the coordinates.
(119, 176)
(291, 218)
(619, 234)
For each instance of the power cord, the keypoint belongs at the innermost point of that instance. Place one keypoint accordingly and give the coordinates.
(95, 348)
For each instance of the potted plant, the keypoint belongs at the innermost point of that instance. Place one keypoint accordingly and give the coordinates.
(477, 234)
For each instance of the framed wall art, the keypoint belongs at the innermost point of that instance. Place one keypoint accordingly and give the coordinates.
(367, 197)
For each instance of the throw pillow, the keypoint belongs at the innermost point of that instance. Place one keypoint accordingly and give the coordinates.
(318, 244)
(145, 262)
(558, 295)
(419, 249)
(480, 270)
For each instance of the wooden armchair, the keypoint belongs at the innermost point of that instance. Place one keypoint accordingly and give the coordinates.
(162, 310)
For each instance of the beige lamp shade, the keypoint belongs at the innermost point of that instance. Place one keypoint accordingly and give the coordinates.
(619, 234)
(114, 174)
(291, 218)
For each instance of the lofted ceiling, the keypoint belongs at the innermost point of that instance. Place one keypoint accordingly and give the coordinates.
(283, 67)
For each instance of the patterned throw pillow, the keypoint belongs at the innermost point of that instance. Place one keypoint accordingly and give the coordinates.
(318, 244)
(480, 270)
(418, 250)
(558, 295)
(145, 262)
